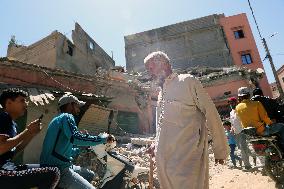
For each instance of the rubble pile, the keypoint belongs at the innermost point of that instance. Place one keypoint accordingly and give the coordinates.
(135, 151)
(134, 148)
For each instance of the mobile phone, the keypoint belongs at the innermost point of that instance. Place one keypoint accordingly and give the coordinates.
(40, 117)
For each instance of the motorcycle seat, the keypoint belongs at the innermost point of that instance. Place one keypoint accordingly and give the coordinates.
(267, 138)
(251, 131)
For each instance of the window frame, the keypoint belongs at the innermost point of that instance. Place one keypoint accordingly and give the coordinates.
(239, 33)
(246, 57)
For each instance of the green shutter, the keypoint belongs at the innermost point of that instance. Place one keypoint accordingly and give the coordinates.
(128, 121)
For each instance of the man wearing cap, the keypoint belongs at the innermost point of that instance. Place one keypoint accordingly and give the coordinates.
(273, 109)
(240, 137)
(58, 147)
(185, 113)
(253, 114)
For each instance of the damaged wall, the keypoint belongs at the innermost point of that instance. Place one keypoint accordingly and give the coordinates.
(83, 55)
(198, 42)
(41, 53)
(124, 97)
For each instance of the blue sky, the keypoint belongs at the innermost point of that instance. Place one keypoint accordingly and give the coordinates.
(107, 21)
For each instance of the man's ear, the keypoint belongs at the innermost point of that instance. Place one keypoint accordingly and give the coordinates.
(8, 102)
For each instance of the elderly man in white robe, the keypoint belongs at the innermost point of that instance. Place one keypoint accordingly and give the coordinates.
(185, 114)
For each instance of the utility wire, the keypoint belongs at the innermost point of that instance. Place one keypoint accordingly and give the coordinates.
(252, 12)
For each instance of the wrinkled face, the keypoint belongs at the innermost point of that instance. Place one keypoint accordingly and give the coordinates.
(159, 68)
(18, 106)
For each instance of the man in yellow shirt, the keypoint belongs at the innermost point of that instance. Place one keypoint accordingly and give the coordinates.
(253, 114)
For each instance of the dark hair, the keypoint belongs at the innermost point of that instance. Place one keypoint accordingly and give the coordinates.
(12, 94)
(257, 91)
(228, 123)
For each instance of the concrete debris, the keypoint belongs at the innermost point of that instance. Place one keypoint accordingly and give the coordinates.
(142, 141)
(135, 153)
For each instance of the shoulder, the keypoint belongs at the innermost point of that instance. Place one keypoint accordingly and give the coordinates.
(239, 106)
(5, 119)
(191, 80)
(4, 116)
(6, 122)
(188, 77)
(257, 103)
(63, 117)
(67, 117)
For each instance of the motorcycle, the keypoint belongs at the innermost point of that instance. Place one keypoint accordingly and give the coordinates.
(267, 146)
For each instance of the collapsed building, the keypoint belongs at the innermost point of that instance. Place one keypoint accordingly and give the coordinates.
(214, 41)
(55, 65)
(106, 90)
(83, 55)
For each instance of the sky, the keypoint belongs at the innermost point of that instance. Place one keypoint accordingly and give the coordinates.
(108, 21)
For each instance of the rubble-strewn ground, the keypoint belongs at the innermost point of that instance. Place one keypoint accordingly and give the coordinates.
(221, 176)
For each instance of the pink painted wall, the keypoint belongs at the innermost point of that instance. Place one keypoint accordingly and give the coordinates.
(230, 24)
(280, 74)
(218, 90)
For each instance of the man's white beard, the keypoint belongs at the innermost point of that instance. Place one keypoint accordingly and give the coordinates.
(159, 81)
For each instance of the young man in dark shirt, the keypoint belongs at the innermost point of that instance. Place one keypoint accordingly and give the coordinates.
(14, 105)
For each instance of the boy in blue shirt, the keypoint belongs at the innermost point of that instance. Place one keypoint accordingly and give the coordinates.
(232, 142)
(58, 147)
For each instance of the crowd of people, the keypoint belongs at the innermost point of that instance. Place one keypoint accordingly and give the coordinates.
(185, 115)
(260, 112)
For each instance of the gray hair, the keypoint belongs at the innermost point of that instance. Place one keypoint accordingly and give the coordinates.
(157, 54)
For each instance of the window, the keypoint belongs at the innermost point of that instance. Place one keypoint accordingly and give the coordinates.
(239, 34)
(92, 46)
(283, 79)
(246, 58)
(70, 50)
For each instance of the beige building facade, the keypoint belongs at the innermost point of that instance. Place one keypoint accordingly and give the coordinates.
(82, 56)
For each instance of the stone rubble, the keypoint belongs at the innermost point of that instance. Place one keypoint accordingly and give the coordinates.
(136, 152)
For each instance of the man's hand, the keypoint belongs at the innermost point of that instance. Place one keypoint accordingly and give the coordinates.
(110, 138)
(84, 132)
(34, 127)
(219, 161)
(273, 120)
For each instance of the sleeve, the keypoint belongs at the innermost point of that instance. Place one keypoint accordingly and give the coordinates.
(76, 137)
(214, 123)
(5, 123)
(263, 114)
